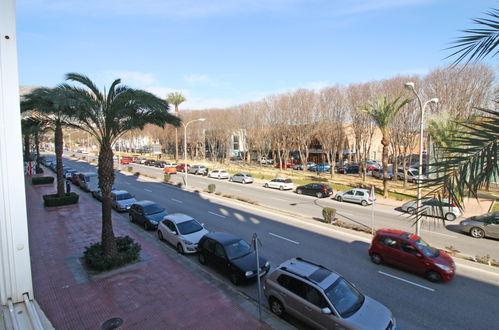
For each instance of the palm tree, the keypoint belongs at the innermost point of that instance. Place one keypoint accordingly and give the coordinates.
(48, 104)
(383, 112)
(33, 126)
(478, 43)
(175, 99)
(107, 116)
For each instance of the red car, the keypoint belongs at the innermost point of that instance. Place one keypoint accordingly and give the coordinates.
(75, 178)
(410, 252)
(284, 165)
(125, 160)
(181, 167)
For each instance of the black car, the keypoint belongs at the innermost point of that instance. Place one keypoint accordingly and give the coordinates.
(232, 255)
(352, 169)
(150, 162)
(146, 213)
(315, 189)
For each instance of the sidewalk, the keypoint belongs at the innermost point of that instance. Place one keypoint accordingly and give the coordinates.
(159, 292)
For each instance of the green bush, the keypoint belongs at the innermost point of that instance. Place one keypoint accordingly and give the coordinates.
(212, 188)
(42, 180)
(128, 251)
(67, 199)
(167, 177)
(179, 184)
(329, 214)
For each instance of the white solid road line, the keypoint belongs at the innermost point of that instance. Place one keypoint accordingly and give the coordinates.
(284, 238)
(218, 215)
(406, 281)
(148, 190)
(176, 200)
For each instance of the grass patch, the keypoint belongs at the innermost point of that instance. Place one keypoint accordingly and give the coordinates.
(495, 207)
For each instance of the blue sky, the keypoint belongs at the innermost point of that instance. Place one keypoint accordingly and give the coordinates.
(220, 53)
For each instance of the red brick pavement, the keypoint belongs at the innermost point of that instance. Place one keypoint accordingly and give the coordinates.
(158, 293)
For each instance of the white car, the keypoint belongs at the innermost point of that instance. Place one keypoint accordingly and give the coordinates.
(280, 183)
(168, 165)
(356, 195)
(182, 231)
(218, 174)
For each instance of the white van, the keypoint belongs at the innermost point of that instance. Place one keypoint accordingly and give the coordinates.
(89, 181)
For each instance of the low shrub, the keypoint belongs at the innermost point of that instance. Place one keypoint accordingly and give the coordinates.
(42, 180)
(348, 225)
(179, 184)
(137, 173)
(211, 188)
(129, 169)
(128, 252)
(167, 177)
(329, 214)
(67, 199)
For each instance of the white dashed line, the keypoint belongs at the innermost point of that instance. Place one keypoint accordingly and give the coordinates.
(176, 200)
(148, 190)
(216, 214)
(284, 238)
(406, 281)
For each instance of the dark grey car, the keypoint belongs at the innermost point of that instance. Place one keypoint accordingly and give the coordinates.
(486, 225)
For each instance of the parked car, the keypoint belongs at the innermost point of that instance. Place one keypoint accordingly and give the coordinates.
(280, 183)
(300, 166)
(75, 178)
(146, 213)
(322, 298)
(170, 164)
(371, 165)
(122, 200)
(68, 173)
(378, 174)
(287, 164)
(196, 169)
(356, 195)
(218, 174)
(171, 170)
(125, 160)
(410, 252)
(435, 207)
(89, 181)
(232, 255)
(486, 225)
(265, 160)
(181, 167)
(322, 167)
(159, 163)
(241, 177)
(97, 194)
(352, 169)
(149, 162)
(319, 190)
(140, 160)
(412, 175)
(181, 231)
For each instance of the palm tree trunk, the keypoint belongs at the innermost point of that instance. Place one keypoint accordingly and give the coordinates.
(385, 167)
(58, 142)
(26, 147)
(37, 149)
(176, 145)
(106, 181)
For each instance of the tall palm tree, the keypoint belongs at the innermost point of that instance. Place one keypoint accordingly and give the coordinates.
(49, 105)
(107, 116)
(33, 126)
(383, 112)
(176, 98)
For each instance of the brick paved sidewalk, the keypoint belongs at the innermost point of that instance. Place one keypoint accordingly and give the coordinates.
(156, 293)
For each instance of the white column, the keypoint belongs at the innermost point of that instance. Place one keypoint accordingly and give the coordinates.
(15, 268)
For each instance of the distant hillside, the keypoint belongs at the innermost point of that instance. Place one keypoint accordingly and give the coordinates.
(23, 90)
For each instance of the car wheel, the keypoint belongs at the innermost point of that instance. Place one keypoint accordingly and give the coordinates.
(219, 177)
(234, 278)
(244, 182)
(131, 218)
(450, 217)
(160, 235)
(180, 249)
(411, 210)
(230, 179)
(202, 258)
(319, 195)
(433, 276)
(340, 199)
(266, 185)
(376, 258)
(281, 188)
(276, 307)
(299, 192)
(477, 232)
(363, 203)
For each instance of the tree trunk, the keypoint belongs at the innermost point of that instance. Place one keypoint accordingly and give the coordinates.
(37, 150)
(385, 144)
(26, 147)
(176, 136)
(58, 144)
(106, 181)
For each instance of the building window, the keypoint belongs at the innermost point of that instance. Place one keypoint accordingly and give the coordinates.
(235, 143)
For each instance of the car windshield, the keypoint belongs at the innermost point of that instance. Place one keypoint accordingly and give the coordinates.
(152, 209)
(428, 250)
(484, 217)
(189, 227)
(237, 249)
(345, 297)
(122, 197)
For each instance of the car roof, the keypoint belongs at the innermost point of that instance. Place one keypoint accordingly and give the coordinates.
(315, 273)
(144, 202)
(223, 237)
(397, 233)
(119, 192)
(178, 217)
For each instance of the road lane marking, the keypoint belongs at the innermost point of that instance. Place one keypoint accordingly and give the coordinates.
(216, 214)
(148, 190)
(284, 238)
(429, 231)
(406, 281)
(176, 200)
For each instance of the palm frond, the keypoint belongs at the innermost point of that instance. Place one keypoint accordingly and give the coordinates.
(84, 80)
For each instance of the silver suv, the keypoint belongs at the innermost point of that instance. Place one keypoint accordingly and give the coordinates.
(323, 298)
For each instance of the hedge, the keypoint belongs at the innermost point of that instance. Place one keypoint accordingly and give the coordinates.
(128, 251)
(67, 199)
(42, 180)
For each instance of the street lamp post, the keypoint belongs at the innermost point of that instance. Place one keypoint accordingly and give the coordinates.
(410, 85)
(185, 146)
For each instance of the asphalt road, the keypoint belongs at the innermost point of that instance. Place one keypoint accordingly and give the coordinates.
(467, 302)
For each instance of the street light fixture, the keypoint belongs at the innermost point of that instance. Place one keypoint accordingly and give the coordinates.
(185, 146)
(410, 85)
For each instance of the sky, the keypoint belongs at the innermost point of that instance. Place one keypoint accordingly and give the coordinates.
(220, 53)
